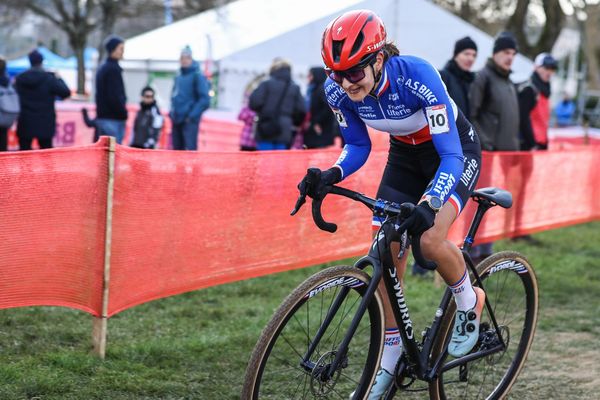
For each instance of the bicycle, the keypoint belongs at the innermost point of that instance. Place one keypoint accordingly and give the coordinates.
(326, 338)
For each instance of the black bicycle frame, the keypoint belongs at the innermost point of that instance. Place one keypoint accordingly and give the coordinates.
(380, 258)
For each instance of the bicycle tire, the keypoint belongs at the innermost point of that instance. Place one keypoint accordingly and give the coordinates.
(501, 272)
(282, 342)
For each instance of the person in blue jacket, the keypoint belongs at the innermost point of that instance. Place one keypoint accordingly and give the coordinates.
(565, 111)
(189, 99)
(434, 158)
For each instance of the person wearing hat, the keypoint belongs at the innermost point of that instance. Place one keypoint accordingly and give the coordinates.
(534, 104)
(38, 89)
(534, 117)
(189, 100)
(493, 99)
(495, 108)
(111, 110)
(457, 74)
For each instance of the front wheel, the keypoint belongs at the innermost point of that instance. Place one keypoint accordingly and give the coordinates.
(512, 291)
(278, 367)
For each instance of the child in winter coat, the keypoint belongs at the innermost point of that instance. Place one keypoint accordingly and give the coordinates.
(148, 122)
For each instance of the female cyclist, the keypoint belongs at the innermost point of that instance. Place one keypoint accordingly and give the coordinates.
(434, 157)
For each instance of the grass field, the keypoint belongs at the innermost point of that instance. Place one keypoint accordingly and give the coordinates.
(196, 345)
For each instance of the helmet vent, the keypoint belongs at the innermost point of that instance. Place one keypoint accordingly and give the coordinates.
(337, 50)
(360, 38)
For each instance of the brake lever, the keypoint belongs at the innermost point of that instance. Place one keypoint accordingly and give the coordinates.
(312, 175)
(299, 203)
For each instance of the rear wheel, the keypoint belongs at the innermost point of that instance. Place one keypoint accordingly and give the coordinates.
(511, 288)
(277, 369)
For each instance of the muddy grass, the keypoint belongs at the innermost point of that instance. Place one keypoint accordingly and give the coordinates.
(561, 366)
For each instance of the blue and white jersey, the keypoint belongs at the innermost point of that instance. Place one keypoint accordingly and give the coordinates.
(411, 103)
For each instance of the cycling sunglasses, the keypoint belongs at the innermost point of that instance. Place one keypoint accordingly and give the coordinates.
(353, 75)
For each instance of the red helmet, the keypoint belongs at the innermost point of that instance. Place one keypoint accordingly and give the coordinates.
(350, 39)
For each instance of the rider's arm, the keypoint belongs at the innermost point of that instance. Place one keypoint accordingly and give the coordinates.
(358, 144)
(441, 113)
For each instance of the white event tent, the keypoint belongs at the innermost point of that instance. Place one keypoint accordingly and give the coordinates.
(240, 39)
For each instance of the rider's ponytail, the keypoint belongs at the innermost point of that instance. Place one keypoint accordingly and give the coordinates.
(390, 50)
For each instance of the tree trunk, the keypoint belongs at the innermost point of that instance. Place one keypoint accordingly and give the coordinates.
(555, 19)
(516, 25)
(78, 42)
(591, 44)
(80, 55)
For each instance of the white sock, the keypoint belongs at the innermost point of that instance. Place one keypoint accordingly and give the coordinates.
(464, 295)
(392, 349)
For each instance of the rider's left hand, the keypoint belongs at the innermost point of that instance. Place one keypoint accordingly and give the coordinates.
(325, 178)
(421, 219)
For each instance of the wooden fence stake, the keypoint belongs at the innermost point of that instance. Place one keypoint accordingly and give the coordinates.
(100, 325)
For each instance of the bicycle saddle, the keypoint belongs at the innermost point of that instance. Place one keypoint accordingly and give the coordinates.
(499, 196)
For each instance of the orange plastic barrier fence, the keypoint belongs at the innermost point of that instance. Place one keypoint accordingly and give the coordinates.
(188, 220)
(52, 225)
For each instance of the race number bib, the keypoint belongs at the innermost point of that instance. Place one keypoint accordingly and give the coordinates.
(437, 118)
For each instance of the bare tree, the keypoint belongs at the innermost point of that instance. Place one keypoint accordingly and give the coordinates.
(72, 17)
(517, 23)
(78, 19)
(589, 15)
(512, 15)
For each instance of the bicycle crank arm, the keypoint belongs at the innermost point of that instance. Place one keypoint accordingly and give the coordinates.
(473, 356)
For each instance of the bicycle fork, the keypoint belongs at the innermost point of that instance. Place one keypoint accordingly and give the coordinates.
(327, 372)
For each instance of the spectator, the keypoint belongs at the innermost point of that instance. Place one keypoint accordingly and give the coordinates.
(246, 115)
(534, 104)
(457, 75)
(148, 122)
(111, 109)
(38, 89)
(565, 111)
(534, 108)
(322, 126)
(494, 103)
(495, 109)
(4, 86)
(279, 105)
(189, 99)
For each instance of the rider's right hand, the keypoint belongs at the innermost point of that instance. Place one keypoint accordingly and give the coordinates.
(315, 182)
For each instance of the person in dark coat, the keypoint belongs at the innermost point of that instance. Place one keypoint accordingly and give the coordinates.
(457, 75)
(322, 126)
(493, 99)
(278, 94)
(38, 89)
(495, 116)
(189, 100)
(111, 110)
(4, 82)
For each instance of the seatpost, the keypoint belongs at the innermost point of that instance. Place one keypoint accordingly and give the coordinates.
(484, 205)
